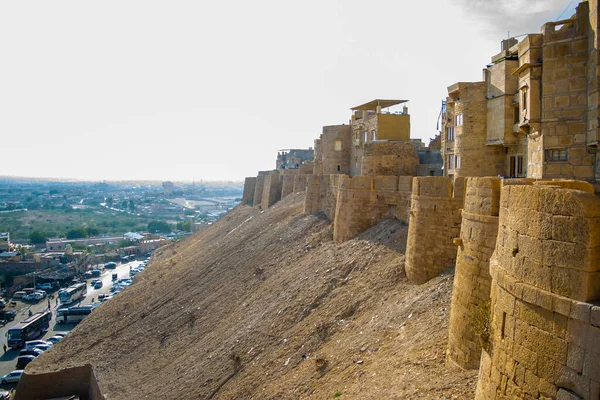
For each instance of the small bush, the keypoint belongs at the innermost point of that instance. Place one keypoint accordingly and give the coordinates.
(481, 323)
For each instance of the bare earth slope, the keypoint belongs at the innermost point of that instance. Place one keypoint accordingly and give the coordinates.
(265, 305)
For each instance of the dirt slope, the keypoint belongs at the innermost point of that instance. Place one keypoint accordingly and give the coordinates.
(264, 305)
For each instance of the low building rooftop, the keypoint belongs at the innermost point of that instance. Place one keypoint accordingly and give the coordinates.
(372, 105)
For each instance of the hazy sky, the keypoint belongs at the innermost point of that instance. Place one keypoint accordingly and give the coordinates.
(186, 90)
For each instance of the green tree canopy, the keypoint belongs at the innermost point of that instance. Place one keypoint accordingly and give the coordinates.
(184, 226)
(38, 237)
(77, 233)
(159, 226)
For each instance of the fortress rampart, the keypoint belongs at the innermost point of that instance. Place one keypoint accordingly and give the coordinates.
(389, 158)
(472, 280)
(545, 270)
(357, 203)
(259, 188)
(434, 221)
(79, 381)
(271, 190)
(249, 188)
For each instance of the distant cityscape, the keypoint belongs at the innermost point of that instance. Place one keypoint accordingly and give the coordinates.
(55, 231)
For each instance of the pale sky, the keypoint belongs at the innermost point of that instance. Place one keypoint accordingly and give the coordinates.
(183, 90)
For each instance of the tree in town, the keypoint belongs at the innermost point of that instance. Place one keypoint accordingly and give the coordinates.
(159, 226)
(77, 233)
(38, 237)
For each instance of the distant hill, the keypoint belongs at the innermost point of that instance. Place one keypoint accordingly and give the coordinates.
(264, 305)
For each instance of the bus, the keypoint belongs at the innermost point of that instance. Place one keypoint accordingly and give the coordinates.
(29, 329)
(73, 315)
(72, 293)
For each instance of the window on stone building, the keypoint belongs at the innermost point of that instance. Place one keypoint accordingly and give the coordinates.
(337, 145)
(451, 162)
(458, 120)
(515, 165)
(557, 155)
(373, 135)
(516, 115)
(365, 133)
(339, 168)
(450, 133)
(524, 99)
(457, 162)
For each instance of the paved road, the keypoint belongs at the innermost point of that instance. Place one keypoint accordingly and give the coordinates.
(8, 361)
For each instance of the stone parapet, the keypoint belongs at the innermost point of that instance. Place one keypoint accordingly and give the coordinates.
(259, 188)
(287, 184)
(271, 190)
(472, 279)
(67, 382)
(434, 222)
(545, 326)
(249, 187)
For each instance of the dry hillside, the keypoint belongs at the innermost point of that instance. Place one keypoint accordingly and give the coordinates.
(264, 305)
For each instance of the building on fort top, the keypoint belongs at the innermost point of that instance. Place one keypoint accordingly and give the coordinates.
(293, 158)
(535, 113)
(377, 121)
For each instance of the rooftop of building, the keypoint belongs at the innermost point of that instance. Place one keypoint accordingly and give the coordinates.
(373, 104)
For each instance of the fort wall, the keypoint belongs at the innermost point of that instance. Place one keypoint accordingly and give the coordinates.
(259, 188)
(545, 269)
(79, 381)
(434, 222)
(335, 149)
(472, 280)
(271, 190)
(249, 187)
(361, 202)
(287, 182)
(389, 158)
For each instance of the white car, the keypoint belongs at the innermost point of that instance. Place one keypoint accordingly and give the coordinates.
(14, 376)
(54, 339)
(33, 343)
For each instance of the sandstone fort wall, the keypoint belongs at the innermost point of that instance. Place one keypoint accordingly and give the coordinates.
(472, 280)
(249, 187)
(545, 332)
(434, 222)
(79, 381)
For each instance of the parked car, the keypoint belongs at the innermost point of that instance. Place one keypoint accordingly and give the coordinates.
(54, 339)
(14, 376)
(61, 334)
(2, 303)
(19, 294)
(30, 352)
(98, 285)
(45, 286)
(8, 315)
(44, 347)
(110, 265)
(34, 343)
(23, 361)
(4, 395)
(29, 297)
